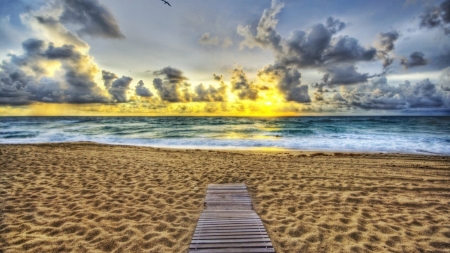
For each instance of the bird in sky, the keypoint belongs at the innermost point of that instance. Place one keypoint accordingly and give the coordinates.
(166, 3)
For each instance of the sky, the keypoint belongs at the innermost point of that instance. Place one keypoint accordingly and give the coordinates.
(224, 58)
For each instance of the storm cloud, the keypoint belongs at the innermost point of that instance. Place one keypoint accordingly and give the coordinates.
(93, 18)
(25, 79)
(378, 94)
(118, 89)
(316, 47)
(241, 85)
(385, 45)
(173, 88)
(142, 91)
(210, 93)
(415, 59)
(437, 17)
(288, 82)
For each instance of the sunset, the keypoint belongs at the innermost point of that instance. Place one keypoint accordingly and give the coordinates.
(224, 126)
(224, 58)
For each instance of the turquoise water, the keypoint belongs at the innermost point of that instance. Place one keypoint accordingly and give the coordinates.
(373, 134)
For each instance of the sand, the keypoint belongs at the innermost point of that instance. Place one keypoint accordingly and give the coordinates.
(84, 197)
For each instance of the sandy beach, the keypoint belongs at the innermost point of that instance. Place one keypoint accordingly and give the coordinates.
(85, 197)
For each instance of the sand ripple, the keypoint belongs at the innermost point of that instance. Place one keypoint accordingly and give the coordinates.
(98, 198)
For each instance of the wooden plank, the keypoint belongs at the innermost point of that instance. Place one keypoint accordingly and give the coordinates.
(240, 236)
(253, 221)
(251, 240)
(246, 227)
(230, 245)
(228, 220)
(233, 250)
(236, 230)
(228, 184)
(229, 223)
(230, 233)
(210, 222)
(225, 225)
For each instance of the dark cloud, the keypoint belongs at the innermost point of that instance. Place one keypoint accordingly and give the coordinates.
(210, 93)
(334, 25)
(54, 28)
(24, 78)
(431, 17)
(172, 75)
(288, 82)
(64, 52)
(314, 48)
(445, 8)
(378, 94)
(436, 17)
(415, 59)
(385, 41)
(95, 19)
(242, 87)
(266, 34)
(108, 78)
(345, 49)
(217, 77)
(142, 91)
(345, 74)
(385, 45)
(119, 88)
(174, 87)
(444, 79)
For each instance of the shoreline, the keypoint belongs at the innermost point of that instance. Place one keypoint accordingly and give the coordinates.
(236, 149)
(88, 197)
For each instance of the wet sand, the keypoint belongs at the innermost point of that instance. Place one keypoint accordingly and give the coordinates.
(84, 197)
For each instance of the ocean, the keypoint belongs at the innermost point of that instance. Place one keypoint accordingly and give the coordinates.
(427, 135)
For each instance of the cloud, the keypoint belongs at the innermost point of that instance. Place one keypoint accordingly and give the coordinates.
(142, 91)
(444, 79)
(227, 42)
(345, 74)
(119, 88)
(45, 21)
(241, 85)
(266, 34)
(207, 40)
(415, 59)
(315, 48)
(378, 94)
(288, 82)
(217, 77)
(385, 45)
(436, 17)
(93, 18)
(210, 93)
(27, 78)
(334, 25)
(108, 78)
(174, 87)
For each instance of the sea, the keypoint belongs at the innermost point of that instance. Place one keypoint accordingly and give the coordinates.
(423, 135)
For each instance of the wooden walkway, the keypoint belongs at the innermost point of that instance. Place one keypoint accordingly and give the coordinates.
(229, 223)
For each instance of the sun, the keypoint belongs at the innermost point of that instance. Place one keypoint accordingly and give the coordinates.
(268, 103)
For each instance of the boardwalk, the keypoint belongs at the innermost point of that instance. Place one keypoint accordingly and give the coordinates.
(229, 223)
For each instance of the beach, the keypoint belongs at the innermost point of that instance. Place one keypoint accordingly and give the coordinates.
(87, 197)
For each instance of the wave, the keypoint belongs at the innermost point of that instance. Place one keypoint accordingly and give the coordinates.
(427, 135)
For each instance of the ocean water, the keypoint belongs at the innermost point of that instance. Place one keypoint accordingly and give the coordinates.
(428, 135)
